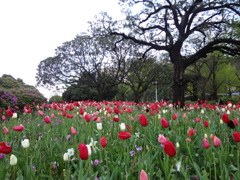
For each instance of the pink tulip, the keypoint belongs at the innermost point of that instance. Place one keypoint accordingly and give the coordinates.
(216, 141)
(73, 131)
(205, 143)
(143, 175)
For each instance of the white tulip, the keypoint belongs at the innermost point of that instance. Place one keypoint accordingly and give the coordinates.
(25, 143)
(13, 160)
(89, 150)
(99, 126)
(66, 157)
(14, 116)
(122, 126)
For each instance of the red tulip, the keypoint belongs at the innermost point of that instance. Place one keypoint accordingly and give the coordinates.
(4, 148)
(40, 113)
(129, 128)
(236, 136)
(216, 141)
(124, 135)
(69, 116)
(88, 117)
(174, 116)
(225, 118)
(205, 143)
(116, 118)
(143, 120)
(235, 122)
(169, 149)
(205, 123)
(116, 110)
(83, 151)
(81, 111)
(191, 132)
(18, 128)
(151, 111)
(9, 112)
(103, 141)
(47, 119)
(143, 175)
(73, 131)
(164, 123)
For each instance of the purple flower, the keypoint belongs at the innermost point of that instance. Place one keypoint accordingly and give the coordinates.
(132, 153)
(33, 168)
(96, 162)
(68, 137)
(1, 155)
(139, 148)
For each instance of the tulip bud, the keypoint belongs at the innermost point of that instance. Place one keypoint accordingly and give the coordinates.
(99, 126)
(14, 115)
(66, 157)
(13, 160)
(122, 126)
(25, 143)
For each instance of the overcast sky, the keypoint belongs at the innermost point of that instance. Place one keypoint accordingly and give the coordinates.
(31, 30)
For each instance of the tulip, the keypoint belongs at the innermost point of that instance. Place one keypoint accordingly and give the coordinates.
(143, 120)
(122, 126)
(13, 160)
(164, 123)
(169, 149)
(235, 121)
(99, 126)
(89, 150)
(216, 141)
(73, 131)
(14, 116)
(124, 135)
(197, 119)
(225, 118)
(9, 112)
(103, 141)
(174, 116)
(81, 111)
(205, 143)
(5, 130)
(184, 115)
(87, 117)
(4, 118)
(116, 110)
(205, 123)
(191, 132)
(69, 116)
(66, 157)
(25, 143)
(4, 148)
(40, 113)
(236, 136)
(83, 151)
(143, 175)
(18, 128)
(47, 119)
(116, 118)
(162, 139)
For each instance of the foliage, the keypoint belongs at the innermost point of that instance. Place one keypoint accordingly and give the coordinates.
(55, 98)
(20, 97)
(123, 159)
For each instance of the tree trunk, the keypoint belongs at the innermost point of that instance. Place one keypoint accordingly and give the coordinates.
(100, 94)
(179, 83)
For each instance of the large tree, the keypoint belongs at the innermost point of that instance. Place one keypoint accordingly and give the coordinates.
(187, 30)
(91, 61)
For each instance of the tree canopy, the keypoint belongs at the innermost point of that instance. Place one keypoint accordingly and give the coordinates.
(186, 30)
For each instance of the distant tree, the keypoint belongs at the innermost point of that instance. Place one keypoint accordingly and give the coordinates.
(186, 30)
(55, 98)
